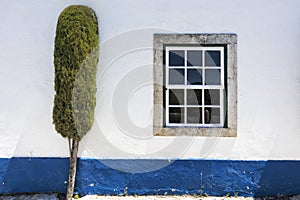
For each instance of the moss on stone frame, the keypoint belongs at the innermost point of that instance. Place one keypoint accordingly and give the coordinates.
(76, 54)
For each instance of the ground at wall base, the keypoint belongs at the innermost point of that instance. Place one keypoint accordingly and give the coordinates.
(150, 197)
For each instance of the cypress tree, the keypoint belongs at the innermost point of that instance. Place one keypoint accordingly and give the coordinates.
(76, 54)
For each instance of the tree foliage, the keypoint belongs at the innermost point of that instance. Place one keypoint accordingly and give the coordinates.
(75, 60)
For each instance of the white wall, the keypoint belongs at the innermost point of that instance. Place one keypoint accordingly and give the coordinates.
(268, 78)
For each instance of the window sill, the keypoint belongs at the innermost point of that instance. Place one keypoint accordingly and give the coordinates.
(187, 131)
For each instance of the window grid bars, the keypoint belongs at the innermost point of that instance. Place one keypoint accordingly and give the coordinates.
(202, 91)
(203, 87)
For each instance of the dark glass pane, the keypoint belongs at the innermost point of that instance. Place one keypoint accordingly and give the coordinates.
(176, 76)
(212, 97)
(176, 58)
(176, 97)
(194, 97)
(213, 77)
(194, 58)
(176, 115)
(194, 77)
(212, 58)
(212, 115)
(194, 115)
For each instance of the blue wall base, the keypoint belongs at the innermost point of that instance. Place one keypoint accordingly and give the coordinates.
(212, 177)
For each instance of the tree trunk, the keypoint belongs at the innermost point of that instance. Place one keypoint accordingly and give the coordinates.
(73, 146)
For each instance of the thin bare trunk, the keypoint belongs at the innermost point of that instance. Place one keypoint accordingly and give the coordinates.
(73, 165)
(70, 145)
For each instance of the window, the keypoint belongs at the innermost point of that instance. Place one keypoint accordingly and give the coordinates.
(194, 94)
(195, 85)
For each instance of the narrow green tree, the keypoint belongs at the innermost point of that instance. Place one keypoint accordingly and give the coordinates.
(75, 59)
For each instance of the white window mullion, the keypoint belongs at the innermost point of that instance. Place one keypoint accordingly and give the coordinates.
(185, 92)
(222, 68)
(222, 89)
(167, 87)
(203, 111)
(222, 107)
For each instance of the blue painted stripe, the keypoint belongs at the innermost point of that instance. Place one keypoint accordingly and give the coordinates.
(214, 177)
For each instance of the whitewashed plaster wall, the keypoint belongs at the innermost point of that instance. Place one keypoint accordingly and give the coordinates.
(268, 78)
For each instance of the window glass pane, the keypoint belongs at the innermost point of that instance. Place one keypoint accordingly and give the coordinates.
(194, 97)
(176, 97)
(176, 58)
(194, 115)
(212, 77)
(194, 58)
(176, 76)
(212, 97)
(212, 115)
(212, 58)
(176, 115)
(194, 77)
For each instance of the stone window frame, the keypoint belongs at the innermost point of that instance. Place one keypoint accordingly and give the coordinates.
(229, 41)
